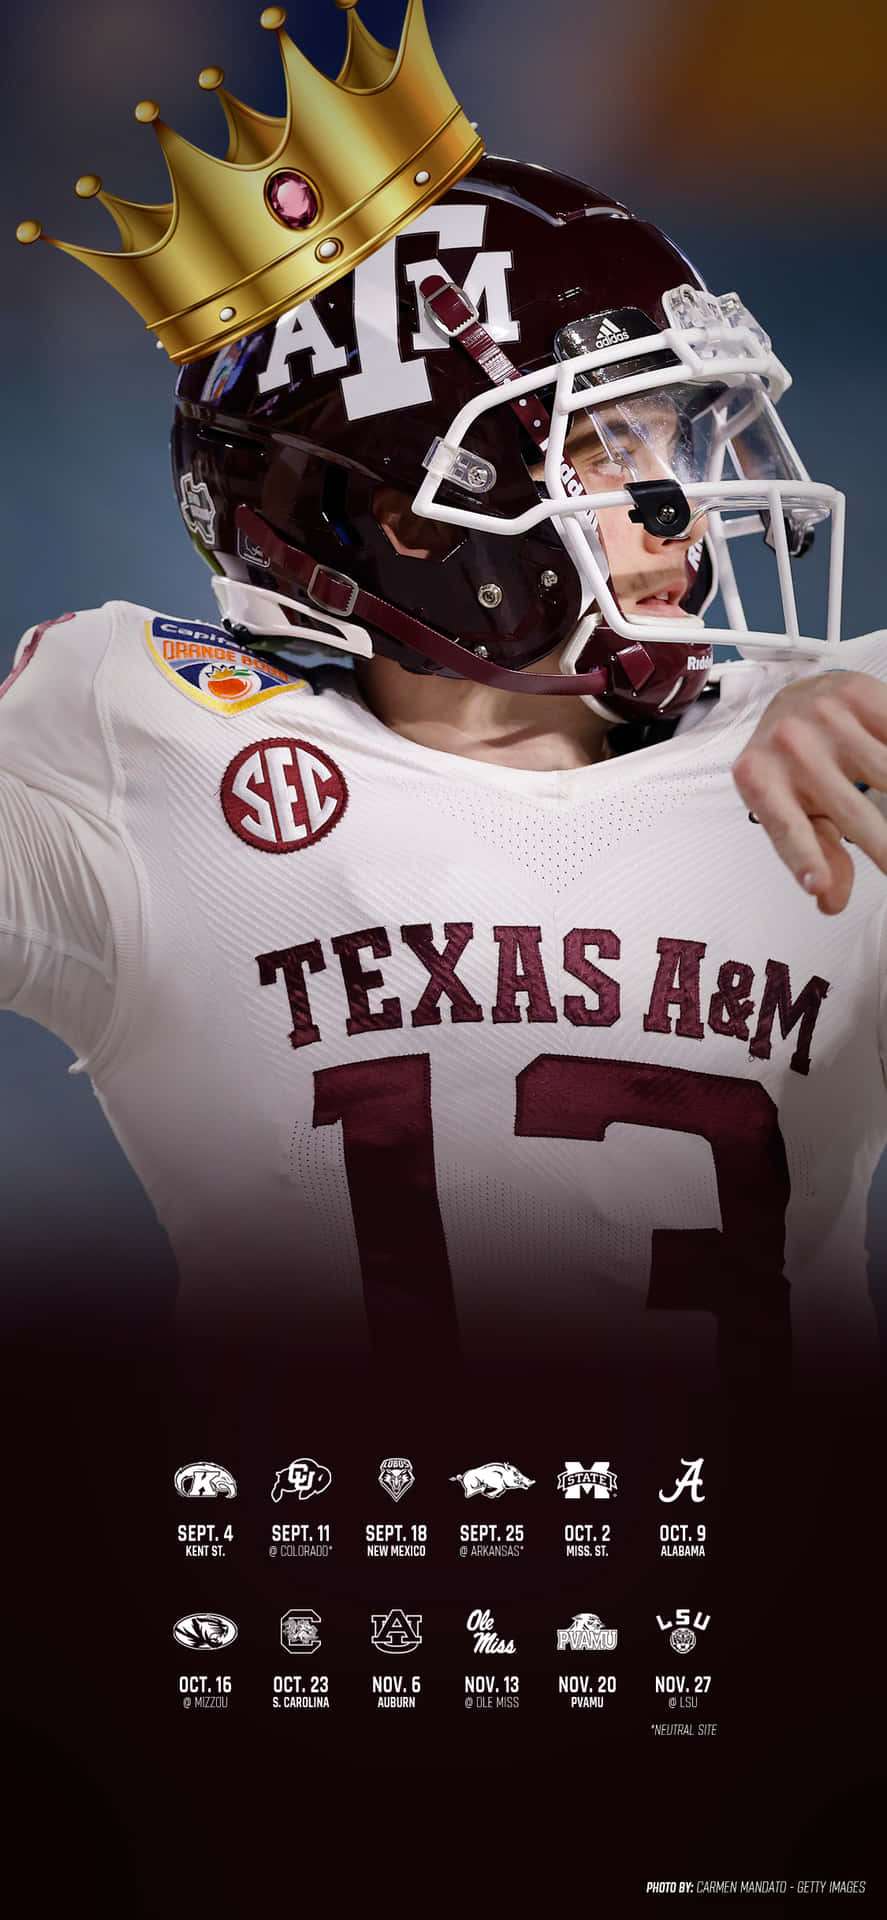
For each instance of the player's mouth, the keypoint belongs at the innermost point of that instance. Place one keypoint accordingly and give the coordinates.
(665, 603)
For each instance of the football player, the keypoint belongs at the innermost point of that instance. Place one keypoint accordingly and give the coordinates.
(441, 988)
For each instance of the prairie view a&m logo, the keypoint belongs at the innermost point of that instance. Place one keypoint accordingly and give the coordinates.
(280, 795)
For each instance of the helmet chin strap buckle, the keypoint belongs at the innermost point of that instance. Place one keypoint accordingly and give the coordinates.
(661, 508)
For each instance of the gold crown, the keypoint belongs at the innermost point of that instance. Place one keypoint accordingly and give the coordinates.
(296, 202)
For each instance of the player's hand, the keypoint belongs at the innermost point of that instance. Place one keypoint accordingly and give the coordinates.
(798, 775)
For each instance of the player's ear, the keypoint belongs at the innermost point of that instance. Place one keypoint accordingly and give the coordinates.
(408, 532)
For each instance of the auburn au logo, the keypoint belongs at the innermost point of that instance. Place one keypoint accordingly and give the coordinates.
(280, 795)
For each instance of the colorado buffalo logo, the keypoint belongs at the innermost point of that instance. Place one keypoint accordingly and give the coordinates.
(280, 795)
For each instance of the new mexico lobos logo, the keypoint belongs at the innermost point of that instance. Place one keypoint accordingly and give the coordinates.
(385, 381)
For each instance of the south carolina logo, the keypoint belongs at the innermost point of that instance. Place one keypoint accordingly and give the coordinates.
(280, 795)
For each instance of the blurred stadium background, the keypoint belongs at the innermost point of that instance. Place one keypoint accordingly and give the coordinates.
(754, 136)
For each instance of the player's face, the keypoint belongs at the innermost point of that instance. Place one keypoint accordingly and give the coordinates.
(609, 447)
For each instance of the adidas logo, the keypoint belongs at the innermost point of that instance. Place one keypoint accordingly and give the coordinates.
(609, 334)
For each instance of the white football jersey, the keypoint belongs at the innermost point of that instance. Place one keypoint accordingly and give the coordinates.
(400, 1042)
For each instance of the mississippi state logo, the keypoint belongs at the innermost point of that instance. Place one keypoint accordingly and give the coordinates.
(280, 795)
(596, 1480)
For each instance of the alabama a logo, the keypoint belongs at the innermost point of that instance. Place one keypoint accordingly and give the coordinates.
(689, 1482)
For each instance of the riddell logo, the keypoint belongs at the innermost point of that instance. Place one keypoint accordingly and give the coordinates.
(280, 795)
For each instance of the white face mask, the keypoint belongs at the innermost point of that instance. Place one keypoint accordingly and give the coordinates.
(680, 443)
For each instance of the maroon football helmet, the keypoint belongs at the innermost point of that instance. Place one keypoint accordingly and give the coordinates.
(448, 374)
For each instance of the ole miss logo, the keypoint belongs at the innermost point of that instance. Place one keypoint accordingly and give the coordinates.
(280, 795)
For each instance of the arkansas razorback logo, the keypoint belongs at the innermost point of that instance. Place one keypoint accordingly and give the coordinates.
(281, 795)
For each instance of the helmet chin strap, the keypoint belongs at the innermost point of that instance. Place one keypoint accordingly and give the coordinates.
(336, 596)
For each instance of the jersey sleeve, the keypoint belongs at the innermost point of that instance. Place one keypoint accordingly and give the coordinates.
(866, 654)
(58, 848)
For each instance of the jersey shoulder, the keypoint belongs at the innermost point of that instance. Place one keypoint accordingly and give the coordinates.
(77, 687)
(866, 654)
(51, 732)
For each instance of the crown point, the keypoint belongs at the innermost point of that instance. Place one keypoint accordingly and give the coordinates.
(28, 230)
(146, 111)
(210, 78)
(272, 17)
(88, 185)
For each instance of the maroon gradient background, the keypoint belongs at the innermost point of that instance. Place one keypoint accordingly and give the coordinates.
(756, 138)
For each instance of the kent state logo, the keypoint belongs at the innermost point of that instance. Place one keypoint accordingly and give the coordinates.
(204, 1480)
(282, 795)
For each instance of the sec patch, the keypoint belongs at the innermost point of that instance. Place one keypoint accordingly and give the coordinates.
(282, 795)
(204, 662)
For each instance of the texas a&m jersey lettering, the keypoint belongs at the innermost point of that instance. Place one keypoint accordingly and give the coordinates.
(678, 1004)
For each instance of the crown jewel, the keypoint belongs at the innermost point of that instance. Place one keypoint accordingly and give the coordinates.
(296, 202)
